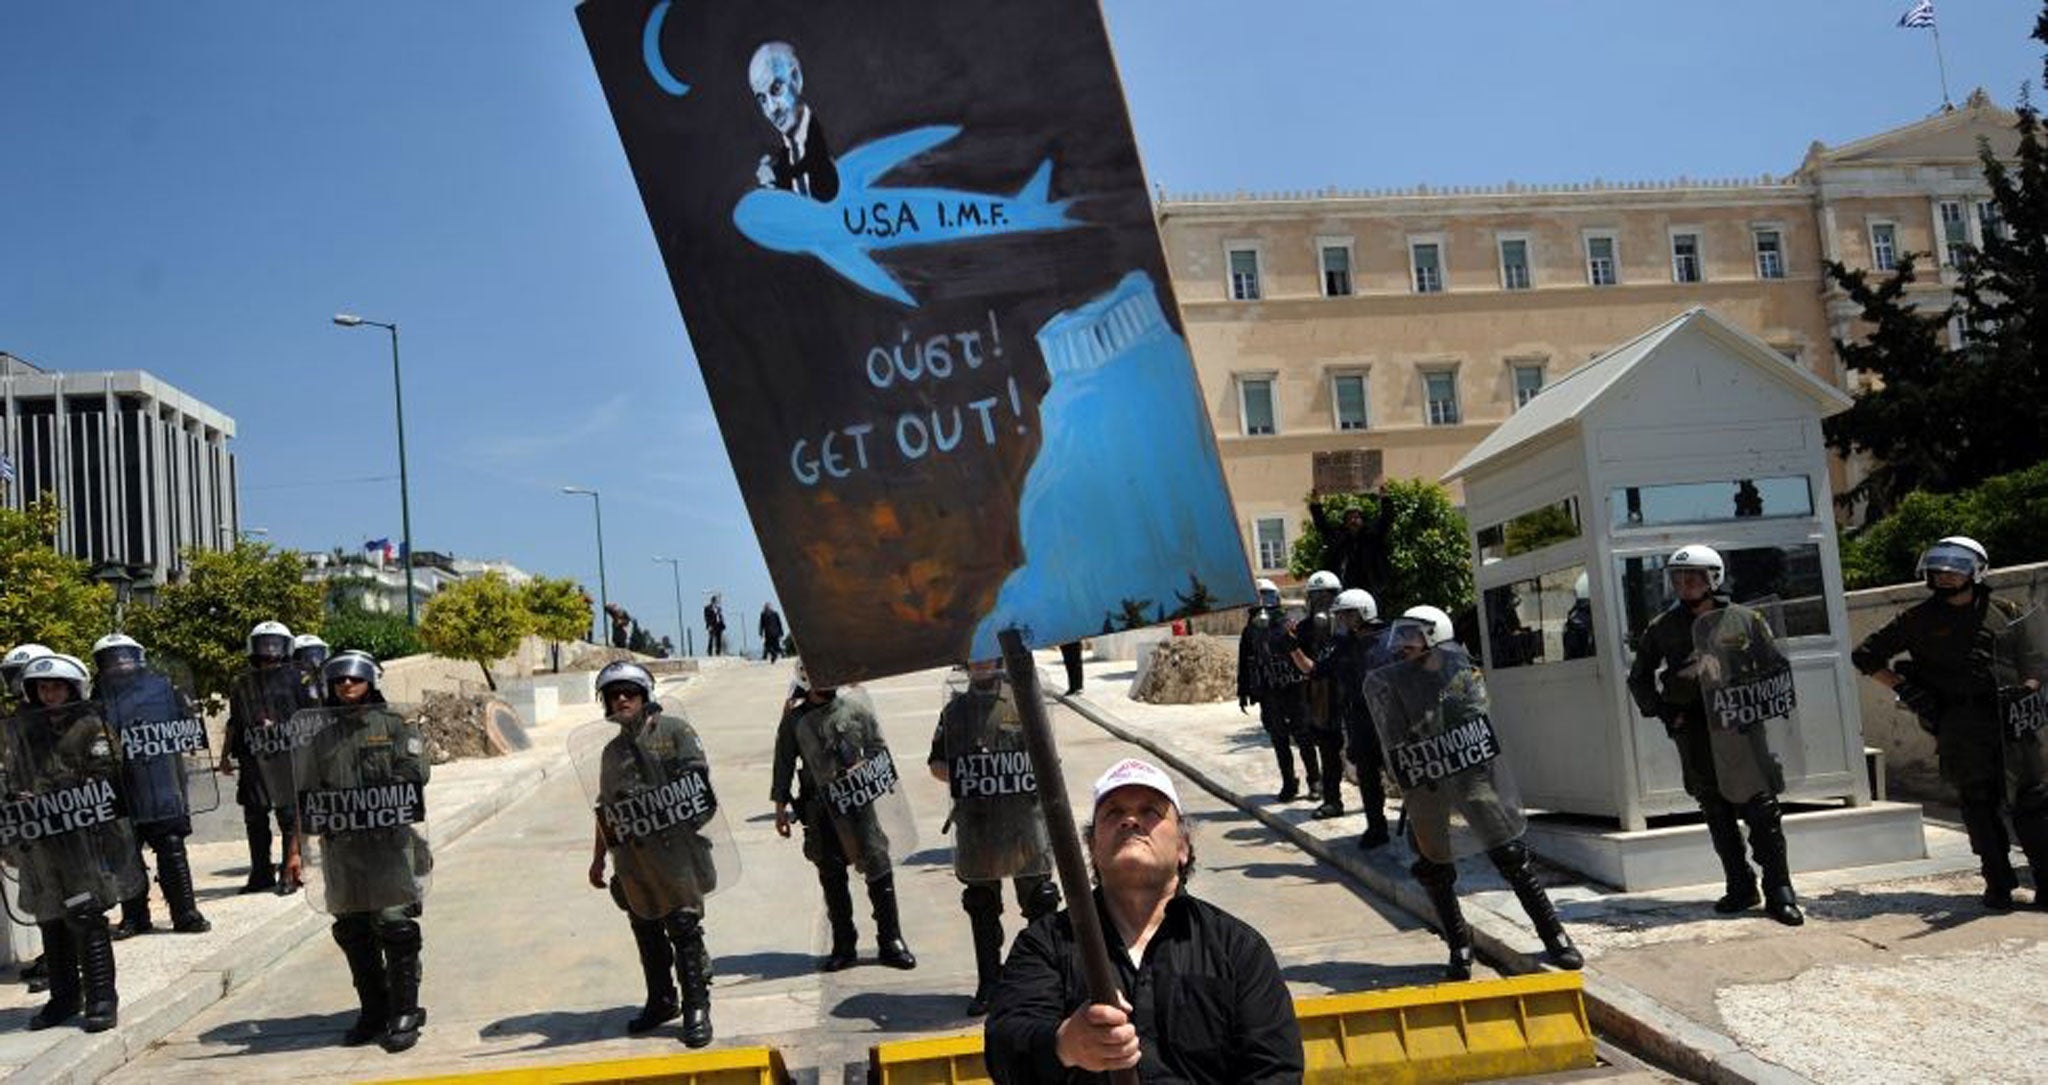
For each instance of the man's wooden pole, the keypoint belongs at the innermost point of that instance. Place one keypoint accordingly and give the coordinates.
(1059, 823)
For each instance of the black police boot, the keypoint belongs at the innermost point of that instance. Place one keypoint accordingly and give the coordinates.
(1767, 840)
(1375, 795)
(1440, 881)
(96, 964)
(888, 924)
(135, 918)
(1290, 789)
(401, 942)
(358, 941)
(1512, 860)
(286, 883)
(1726, 833)
(687, 933)
(2000, 879)
(987, 930)
(1312, 771)
(657, 964)
(262, 876)
(839, 912)
(1284, 754)
(174, 874)
(37, 975)
(1986, 828)
(60, 964)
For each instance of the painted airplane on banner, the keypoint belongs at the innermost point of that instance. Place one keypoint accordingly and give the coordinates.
(865, 218)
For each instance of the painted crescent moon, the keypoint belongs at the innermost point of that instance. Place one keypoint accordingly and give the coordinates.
(650, 51)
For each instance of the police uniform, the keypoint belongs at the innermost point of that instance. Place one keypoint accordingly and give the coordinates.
(1266, 673)
(155, 790)
(258, 697)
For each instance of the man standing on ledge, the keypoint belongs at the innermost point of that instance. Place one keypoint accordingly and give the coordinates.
(1202, 999)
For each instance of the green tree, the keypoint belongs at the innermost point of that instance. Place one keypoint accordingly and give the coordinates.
(2008, 514)
(45, 596)
(1196, 601)
(1915, 422)
(1536, 530)
(559, 610)
(1427, 543)
(1133, 614)
(203, 619)
(479, 619)
(384, 635)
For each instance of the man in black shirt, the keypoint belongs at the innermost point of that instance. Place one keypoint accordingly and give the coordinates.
(1201, 995)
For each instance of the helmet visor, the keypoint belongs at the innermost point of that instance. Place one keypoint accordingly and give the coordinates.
(270, 646)
(1947, 558)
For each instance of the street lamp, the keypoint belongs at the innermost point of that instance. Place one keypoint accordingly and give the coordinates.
(603, 597)
(350, 320)
(676, 575)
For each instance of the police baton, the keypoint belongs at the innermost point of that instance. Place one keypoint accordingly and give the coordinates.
(1059, 824)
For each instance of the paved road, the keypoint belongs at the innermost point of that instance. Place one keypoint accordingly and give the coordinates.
(526, 964)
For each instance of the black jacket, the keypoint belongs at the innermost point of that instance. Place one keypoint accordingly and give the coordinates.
(1361, 560)
(1208, 1001)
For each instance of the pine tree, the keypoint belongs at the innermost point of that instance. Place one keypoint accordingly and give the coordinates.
(1915, 421)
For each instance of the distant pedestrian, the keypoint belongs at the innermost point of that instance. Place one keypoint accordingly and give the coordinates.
(771, 633)
(714, 628)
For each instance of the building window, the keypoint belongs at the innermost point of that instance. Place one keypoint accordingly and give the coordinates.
(1685, 258)
(1255, 401)
(1271, 535)
(1989, 224)
(1244, 275)
(1770, 254)
(1955, 232)
(1440, 389)
(1347, 392)
(1514, 263)
(1600, 266)
(1426, 257)
(1336, 271)
(1528, 382)
(1884, 246)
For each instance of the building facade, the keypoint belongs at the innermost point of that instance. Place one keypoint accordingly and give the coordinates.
(141, 470)
(1409, 324)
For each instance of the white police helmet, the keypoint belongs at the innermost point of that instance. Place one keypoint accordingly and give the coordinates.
(352, 664)
(1436, 624)
(270, 641)
(58, 668)
(1324, 580)
(16, 658)
(1956, 553)
(116, 652)
(628, 672)
(1700, 557)
(1357, 599)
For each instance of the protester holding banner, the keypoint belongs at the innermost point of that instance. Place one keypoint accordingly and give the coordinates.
(261, 700)
(1343, 663)
(1972, 674)
(1725, 757)
(653, 799)
(361, 780)
(851, 808)
(1357, 549)
(1266, 674)
(163, 745)
(979, 752)
(1202, 997)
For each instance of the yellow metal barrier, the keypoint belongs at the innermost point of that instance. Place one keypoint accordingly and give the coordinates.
(735, 1066)
(1534, 1024)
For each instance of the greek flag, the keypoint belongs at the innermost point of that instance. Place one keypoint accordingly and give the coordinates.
(1921, 17)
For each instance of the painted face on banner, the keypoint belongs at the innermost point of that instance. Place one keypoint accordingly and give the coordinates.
(778, 82)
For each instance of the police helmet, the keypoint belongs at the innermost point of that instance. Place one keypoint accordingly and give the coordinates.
(1955, 554)
(1699, 557)
(1436, 625)
(626, 671)
(270, 642)
(352, 664)
(116, 652)
(1357, 599)
(1268, 592)
(1324, 580)
(16, 658)
(58, 668)
(1582, 588)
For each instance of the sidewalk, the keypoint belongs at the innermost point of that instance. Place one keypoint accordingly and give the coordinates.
(166, 979)
(1898, 975)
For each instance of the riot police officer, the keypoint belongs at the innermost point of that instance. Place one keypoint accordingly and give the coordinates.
(1730, 773)
(662, 875)
(978, 751)
(261, 700)
(1323, 700)
(1343, 663)
(1970, 654)
(833, 732)
(157, 727)
(1266, 674)
(374, 878)
(309, 654)
(11, 666)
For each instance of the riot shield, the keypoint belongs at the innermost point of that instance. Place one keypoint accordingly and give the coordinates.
(998, 829)
(1745, 682)
(650, 788)
(167, 771)
(857, 792)
(1457, 794)
(266, 701)
(62, 819)
(360, 777)
(2019, 664)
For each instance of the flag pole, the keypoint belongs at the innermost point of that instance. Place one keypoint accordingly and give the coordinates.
(1940, 65)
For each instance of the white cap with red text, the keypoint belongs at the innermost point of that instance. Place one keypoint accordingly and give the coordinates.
(1132, 772)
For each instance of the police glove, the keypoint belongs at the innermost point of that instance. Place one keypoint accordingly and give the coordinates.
(1925, 703)
(1243, 703)
(1674, 721)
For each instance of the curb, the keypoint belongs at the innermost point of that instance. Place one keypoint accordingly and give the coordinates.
(1632, 1019)
(86, 1057)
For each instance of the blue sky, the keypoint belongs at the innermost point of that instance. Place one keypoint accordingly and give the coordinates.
(196, 188)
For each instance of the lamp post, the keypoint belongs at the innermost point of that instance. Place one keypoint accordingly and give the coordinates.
(604, 601)
(676, 576)
(350, 320)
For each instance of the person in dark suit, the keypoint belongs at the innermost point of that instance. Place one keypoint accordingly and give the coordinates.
(803, 164)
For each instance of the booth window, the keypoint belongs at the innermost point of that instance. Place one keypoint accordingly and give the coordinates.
(1539, 620)
(1531, 531)
(1711, 502)
(1784, 583)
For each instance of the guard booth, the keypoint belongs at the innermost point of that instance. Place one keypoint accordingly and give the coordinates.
(1693, 432)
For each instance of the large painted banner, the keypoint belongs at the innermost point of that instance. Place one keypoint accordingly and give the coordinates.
(915, 253)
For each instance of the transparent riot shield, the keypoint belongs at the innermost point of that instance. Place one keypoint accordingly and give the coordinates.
(62, 819)
(857, 795)
(2019, 665)
(360, 774)
(998, 829)
(650, 788)
(1457, 794)
(1745, 683)
(265, 701)
(166, 768)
